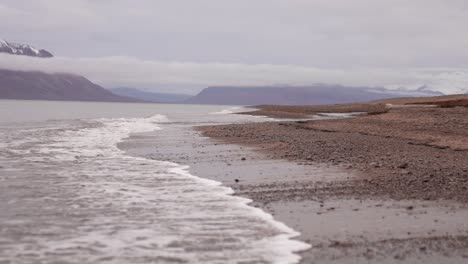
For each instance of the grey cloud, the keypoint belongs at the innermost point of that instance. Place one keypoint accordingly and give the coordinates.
(347, 36)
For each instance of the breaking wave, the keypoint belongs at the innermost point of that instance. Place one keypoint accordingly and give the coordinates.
(94, 203)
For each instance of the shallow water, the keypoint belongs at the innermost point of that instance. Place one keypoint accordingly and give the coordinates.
(68, 194)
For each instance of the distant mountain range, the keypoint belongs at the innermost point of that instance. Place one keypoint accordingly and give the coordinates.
(23, 49)
(295, 95)
(151, 96)
(63, 86)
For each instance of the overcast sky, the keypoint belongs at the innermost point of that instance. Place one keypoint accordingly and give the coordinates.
(186, 45)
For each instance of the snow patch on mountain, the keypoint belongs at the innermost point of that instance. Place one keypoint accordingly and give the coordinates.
(22, 49)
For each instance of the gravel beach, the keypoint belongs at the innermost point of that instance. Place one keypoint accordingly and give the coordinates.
(401, 194)
(415, 153)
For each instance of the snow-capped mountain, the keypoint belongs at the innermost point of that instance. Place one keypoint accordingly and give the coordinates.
(23, 49)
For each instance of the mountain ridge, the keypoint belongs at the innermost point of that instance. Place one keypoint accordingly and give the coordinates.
(24, 85)
(23, 49)
(292, 95)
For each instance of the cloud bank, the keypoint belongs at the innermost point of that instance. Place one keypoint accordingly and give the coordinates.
(129, 71)
(192, 44)
(314, 33)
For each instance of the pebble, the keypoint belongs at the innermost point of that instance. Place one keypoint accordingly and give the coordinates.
(403, 166)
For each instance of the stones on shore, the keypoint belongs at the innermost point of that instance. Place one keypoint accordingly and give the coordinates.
(375, 148)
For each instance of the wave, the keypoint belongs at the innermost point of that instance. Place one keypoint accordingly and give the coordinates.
(230, 110)
(107, 205)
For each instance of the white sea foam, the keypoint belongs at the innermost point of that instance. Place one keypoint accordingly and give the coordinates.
(339, 115)
(103, 205)
(230, 110)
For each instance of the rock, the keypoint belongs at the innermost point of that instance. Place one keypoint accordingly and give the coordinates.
(403, 166)
(236, 180)
(243, 159)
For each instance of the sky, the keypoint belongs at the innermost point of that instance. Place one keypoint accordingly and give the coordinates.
(183, 46)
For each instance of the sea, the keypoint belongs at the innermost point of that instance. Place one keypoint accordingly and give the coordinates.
(69, 194)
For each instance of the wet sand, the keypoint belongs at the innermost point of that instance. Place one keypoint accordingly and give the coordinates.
(327, 201)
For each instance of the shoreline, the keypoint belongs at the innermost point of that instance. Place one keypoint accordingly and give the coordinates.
(314, 198)
(394, 178)
(415, 153)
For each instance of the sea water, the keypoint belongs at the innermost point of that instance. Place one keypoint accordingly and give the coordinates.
(68, 194)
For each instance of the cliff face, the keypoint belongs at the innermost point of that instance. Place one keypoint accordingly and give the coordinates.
(43, 86)
(288, 95)
(23, 49)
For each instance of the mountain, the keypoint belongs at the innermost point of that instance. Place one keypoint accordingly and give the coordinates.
(151, 96)
(289, 95)
(59, 86)
(23, 49)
